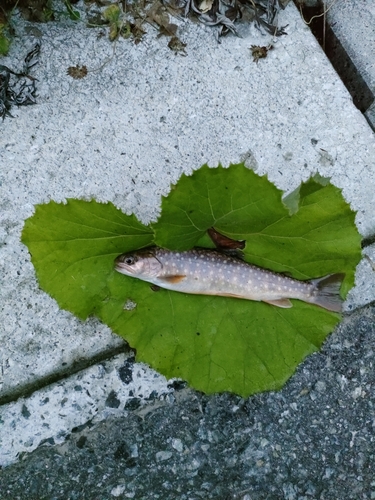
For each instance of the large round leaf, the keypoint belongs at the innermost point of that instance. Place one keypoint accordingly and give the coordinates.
(215, 343)
(73, 246)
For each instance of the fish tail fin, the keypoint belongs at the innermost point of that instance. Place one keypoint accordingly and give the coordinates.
(328, 295)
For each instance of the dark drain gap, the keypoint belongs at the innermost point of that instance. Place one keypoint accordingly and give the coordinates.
(347, 71)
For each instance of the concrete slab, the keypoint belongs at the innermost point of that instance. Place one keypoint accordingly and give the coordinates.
(50, 415)
(353, 24)
(133, 125)
(312, 440)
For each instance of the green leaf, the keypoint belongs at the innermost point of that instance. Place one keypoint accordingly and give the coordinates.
(112, 14)
(231, 199)
(215, 343)
(73, 246)
(311, 234)
(73, 14)
(4, 43)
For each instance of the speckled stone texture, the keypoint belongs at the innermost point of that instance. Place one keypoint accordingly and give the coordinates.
(354, 25)
(125, 133)
(131, 128)
(312, 440)
(49, 414)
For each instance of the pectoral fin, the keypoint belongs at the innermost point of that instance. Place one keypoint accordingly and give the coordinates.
(284, 303)
(174, 278)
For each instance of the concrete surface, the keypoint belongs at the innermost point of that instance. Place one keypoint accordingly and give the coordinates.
(353, 24)
(50, 414)
(312, 440)
(124, 134)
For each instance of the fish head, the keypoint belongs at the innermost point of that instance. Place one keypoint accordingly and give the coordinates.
(142, 264)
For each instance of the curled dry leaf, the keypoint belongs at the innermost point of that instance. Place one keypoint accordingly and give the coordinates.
(77, 72)
(18, 88)
(176, 45)
(158, 17)
(157, 14)
(137, 32)
(205, 6)
(168, 30)
(259, 52)
(224, 13)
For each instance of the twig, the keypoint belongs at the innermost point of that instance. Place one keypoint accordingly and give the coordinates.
(317, 15)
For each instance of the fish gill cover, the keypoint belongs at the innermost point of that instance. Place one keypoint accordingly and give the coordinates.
(215, 343)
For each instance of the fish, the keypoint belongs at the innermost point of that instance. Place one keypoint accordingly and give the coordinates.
(211, 272)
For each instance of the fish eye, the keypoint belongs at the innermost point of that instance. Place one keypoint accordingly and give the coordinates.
(130, 260)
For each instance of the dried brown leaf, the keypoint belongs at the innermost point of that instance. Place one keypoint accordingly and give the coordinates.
(259, 52)
(176, 45)
(158, 15)
(137, 31)
(168, 30)
(205, 5)
(77, 72)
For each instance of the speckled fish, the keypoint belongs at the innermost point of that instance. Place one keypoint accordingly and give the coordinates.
(210, 272)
